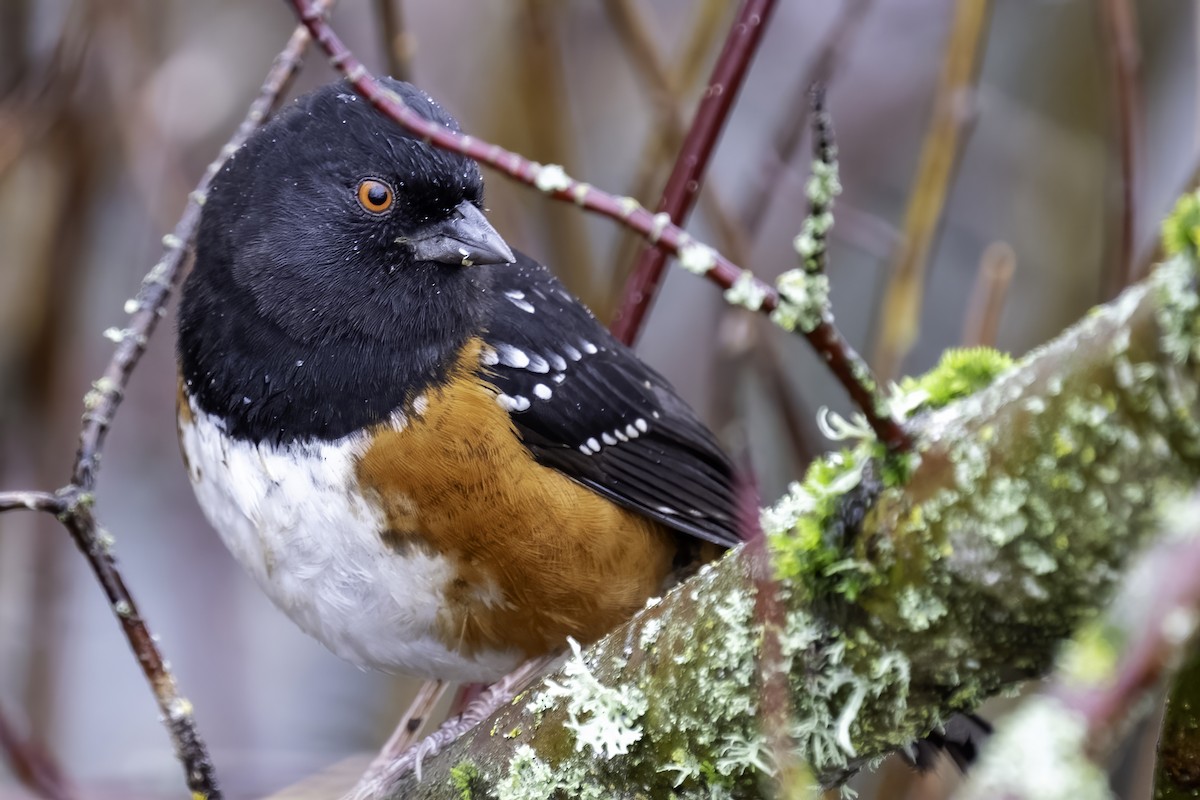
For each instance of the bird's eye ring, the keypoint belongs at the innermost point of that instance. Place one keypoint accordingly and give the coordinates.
(375, 196)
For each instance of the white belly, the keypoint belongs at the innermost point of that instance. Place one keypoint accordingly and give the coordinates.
(292, 517)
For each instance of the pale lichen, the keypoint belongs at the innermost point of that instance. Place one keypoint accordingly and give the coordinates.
(603, 718)
(697, 258)
(803, 300)
(746, 291)
(551, 178)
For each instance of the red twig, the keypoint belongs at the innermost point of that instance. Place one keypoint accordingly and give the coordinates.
(842, 359)
(683, 186)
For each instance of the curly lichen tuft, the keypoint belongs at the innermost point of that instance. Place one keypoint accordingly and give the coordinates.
(803, 300)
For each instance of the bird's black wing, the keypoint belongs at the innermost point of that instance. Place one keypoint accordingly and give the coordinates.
(586, 406)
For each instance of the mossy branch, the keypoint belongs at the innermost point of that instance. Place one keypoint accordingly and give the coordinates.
(913, 587)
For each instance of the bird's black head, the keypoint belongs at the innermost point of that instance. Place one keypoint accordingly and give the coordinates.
(338, 269)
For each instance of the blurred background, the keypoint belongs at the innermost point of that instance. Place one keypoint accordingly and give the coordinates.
(1026, 171)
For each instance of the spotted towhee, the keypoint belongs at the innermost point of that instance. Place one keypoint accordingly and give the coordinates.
(426, 451)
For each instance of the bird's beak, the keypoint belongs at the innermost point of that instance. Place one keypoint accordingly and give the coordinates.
(463, 240)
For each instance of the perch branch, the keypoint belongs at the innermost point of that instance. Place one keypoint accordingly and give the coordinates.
(30, 501)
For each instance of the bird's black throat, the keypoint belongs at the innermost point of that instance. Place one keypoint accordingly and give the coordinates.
(265, 385)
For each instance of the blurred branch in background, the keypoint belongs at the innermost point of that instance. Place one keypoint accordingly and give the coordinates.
(667, 129)
(33, 765)
(1119, 22)
(683, 186)
(953, 110)
(982, 321)
(789, 132)
(399, 44)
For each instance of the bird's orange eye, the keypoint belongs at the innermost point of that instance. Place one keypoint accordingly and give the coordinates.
(375, 196)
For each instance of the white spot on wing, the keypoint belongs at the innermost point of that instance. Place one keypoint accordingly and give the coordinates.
(641, 425)
(489, 357)
(631, 431)
(557, 361)
(608, 439)
(588, 347)
(512, 356)
(420, 405)
(592, 443)
(542, 391)
(538, 364)
(511, 403)
(572, 353)
(559, 378)
(517, 298)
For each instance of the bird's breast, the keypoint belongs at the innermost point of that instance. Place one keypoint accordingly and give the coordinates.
(433, 543)
(293, 516)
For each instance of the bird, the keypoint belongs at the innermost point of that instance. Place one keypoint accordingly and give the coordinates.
(425, 450)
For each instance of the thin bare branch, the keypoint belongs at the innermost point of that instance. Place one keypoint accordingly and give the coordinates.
(683, 186)
(840, 357)
(953, 110)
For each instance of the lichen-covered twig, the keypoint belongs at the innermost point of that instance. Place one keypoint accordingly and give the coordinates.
(902, 302)
(908, 591)
(73, 503)
(683, 186)
(800, 311)
(1104, 678)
